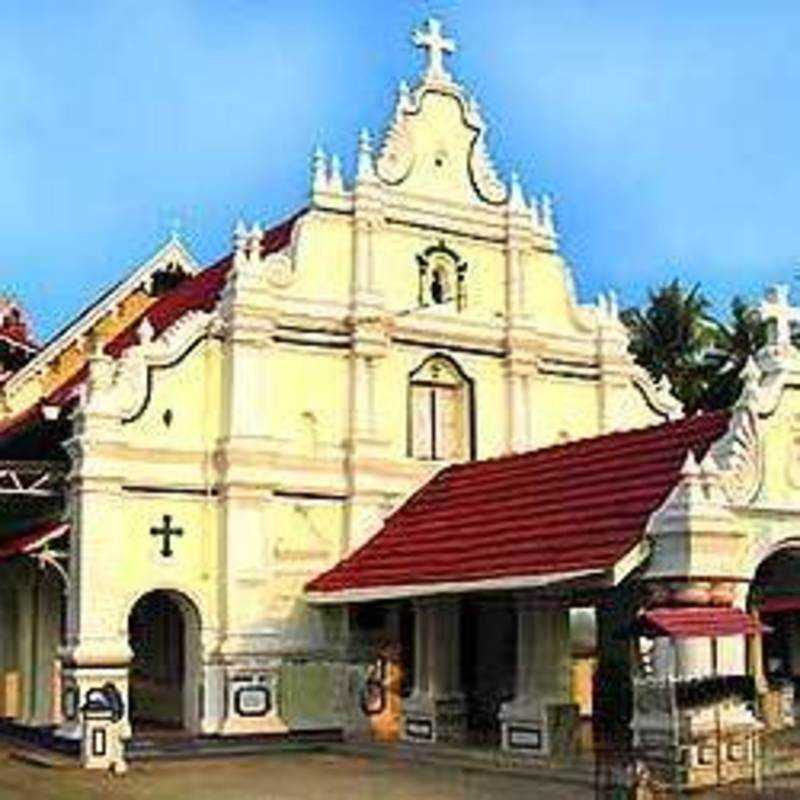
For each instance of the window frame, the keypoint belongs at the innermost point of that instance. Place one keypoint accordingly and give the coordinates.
(468, 387)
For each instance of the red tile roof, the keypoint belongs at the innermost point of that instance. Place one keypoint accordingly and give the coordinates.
(572, 507)
(683, 623)
(201, 292)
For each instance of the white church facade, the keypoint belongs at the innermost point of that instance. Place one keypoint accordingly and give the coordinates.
(360, 474)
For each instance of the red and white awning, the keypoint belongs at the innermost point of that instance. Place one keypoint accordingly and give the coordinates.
(698, 621)
(780, 604)
(31, 540)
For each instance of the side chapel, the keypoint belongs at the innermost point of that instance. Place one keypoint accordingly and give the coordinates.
(384, 428)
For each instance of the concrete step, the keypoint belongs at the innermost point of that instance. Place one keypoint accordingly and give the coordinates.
(159, 749)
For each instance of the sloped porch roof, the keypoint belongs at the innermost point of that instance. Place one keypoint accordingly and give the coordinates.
(550, 515)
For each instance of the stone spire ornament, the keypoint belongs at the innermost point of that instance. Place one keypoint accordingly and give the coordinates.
(319, 171)
(436, 45)
(366, 167)
(547, 218)
(516, 200)
(403, 97)
(776, 310)
(336, 184)
(239, 235)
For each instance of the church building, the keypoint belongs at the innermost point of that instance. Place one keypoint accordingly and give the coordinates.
(377, 470)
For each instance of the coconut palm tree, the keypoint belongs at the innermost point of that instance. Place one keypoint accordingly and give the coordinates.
(671, 336)
(737, 340)
(675, 335)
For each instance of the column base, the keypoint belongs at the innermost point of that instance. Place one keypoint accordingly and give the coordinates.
(75, 684)
(427, 719)
(246, 700)
(542, 730)
(718, 745)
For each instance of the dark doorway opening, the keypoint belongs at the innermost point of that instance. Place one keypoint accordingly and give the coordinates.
(164, 673)
(488, 664)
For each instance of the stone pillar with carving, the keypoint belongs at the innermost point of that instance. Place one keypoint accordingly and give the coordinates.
(248, 659)
(435, 711)
(697, 562)
(540, 718)
(96, 649)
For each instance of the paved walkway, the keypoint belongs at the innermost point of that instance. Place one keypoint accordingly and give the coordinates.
(279, 776)
(305, 776)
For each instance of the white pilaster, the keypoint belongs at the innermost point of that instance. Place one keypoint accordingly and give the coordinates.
(96, 648)
(543, 677)
(435, 711)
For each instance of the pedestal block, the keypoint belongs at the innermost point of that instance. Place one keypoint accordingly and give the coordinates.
(427, 719)
(541, 719)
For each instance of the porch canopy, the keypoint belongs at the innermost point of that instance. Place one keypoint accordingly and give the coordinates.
(706, 621)
(32, 539)
(571, 512)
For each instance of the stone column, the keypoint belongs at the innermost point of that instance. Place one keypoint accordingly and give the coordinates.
(529, 721)
(96, 649)
(435, 712)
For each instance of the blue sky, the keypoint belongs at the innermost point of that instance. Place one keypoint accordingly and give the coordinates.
(667, 132)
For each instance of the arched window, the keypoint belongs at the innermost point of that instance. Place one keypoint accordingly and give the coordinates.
(440, 414)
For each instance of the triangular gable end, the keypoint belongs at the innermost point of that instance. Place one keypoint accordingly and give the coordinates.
(118, 306)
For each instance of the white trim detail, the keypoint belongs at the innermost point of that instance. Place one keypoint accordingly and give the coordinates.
(447, 587)
(88, 318)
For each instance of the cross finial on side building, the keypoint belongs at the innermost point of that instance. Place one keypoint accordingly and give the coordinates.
(780, 314)
(436, 45)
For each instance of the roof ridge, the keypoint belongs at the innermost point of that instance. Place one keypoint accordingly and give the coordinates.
(599, 439)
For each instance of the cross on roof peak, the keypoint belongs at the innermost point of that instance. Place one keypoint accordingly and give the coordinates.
(778, 311)
(436, 45)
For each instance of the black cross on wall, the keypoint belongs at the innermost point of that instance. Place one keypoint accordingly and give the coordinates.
(166, 532)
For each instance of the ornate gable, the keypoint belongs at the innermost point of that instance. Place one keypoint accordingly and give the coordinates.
(436, 143)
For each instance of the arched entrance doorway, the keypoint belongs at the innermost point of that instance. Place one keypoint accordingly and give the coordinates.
(164, 684)
(775, 595)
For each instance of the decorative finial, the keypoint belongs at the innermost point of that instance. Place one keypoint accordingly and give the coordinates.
(516, 200)
(776, 310)
(750, 372)
(175, 230)
(404, 94)
(366, 168)
(664, 385)
(548, 221)
(613, 308)
(437, 46)
(690, 468)
(146, 331)
(534, 205)
(336, 184)
(239, 235)
(255, 237)
(751, 384)
(320, 171)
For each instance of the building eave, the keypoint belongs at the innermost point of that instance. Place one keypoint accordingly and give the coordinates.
(399, 592)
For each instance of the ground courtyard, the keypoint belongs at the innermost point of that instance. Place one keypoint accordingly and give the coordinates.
(302, 776)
